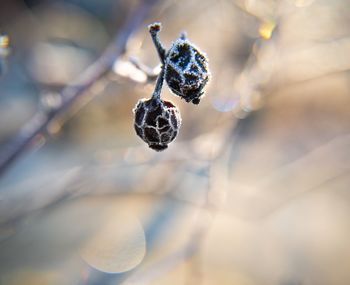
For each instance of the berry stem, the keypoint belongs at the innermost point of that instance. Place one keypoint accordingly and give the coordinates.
(154, 29)
(159, 85)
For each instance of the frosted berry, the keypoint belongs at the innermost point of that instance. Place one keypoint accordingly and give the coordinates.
(156, 122)
(186, 70)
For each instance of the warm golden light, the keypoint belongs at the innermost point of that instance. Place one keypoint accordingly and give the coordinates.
(4, 41)
(266, 29)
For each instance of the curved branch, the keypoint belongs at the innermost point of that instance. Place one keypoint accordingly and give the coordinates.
(26, 136)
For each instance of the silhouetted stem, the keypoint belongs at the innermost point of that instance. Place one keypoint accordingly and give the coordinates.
(154, 30)
(159, 85)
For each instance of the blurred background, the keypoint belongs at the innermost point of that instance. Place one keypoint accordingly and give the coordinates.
(255, 189)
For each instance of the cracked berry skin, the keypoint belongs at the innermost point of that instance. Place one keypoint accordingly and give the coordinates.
(156, 122)
(186, 70)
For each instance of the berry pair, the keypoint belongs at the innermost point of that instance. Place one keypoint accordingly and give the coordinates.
(185, 70)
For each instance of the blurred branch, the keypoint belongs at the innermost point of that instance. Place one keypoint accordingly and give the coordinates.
(326, 166)
(37, 126)
(167, 263)
(82, 180)
(151, 74)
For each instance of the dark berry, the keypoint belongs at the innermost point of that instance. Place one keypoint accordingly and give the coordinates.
(156, 122)
(186, 70)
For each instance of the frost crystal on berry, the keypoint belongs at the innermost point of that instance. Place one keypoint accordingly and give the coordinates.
(156, 122)
(186, 70)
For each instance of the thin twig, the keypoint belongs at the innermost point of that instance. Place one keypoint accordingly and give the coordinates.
(38, 124)
(159, 84)
(151, 74)
(154, 30)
